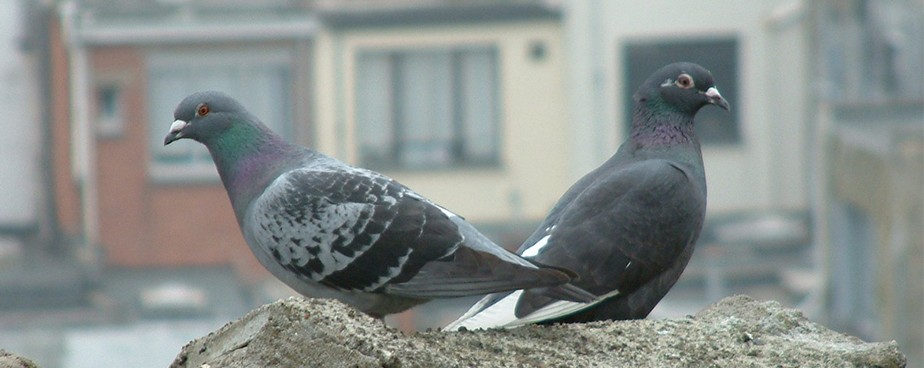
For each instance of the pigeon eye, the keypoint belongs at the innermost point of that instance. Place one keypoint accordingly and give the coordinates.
(685, 81)
(202, 110)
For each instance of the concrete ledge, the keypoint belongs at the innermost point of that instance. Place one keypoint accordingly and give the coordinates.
(10, 360)
(735, 332)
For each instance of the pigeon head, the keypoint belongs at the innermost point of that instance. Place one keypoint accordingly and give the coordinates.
(680, 87)
(207, 116)
(245, 151)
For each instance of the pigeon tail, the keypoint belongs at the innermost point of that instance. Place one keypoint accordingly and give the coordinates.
(509, 311)
(471, 272)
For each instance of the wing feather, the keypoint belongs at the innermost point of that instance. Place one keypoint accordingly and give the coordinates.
(348, 229)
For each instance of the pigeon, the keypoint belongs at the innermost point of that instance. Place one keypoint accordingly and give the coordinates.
(627, 228)
(331, 230)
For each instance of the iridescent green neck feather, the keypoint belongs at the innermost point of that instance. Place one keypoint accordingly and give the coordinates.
(248, 157)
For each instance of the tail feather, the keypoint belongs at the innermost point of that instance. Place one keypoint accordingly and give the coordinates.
(490, 312)
(471, 272)
(507, 311)
(568, 292)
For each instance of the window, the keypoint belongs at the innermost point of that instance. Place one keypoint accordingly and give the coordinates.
(427, 109)
(261, 82)
(720, 56)
(110, 109)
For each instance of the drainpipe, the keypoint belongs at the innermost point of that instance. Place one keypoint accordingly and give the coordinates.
(340, 108)
(83, 139)
(584, 33)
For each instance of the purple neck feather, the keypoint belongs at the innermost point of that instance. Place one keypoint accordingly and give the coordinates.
(655, 127)
(250, 162)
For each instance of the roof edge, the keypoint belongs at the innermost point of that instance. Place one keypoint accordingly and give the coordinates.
(436, 13)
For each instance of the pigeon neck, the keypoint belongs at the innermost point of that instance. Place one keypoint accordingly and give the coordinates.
(247, 160)
(654, 126)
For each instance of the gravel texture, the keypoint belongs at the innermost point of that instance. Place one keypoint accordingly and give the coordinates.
(10, 360)
(735, 332)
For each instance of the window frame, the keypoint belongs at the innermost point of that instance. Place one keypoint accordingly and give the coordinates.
(458, 137)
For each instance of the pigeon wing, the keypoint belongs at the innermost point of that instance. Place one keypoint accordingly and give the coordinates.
(622, 230)
(349, 230)
(356, 230)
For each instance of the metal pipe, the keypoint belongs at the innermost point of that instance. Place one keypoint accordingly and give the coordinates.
(83, 142)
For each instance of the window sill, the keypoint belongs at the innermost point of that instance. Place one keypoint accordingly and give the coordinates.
(183, 174)
(469, 167)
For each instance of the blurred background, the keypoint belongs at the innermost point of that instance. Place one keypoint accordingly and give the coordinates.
(115, 250)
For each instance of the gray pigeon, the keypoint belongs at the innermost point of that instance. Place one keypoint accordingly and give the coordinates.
(331, 230)
(628, 227)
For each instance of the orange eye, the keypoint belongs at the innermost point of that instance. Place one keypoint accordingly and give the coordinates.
(685, 81)
(202, 110)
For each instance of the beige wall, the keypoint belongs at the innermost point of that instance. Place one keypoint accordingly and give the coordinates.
(534, 132)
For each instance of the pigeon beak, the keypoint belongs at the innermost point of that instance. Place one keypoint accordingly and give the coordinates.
(176, 131)
(713, 96)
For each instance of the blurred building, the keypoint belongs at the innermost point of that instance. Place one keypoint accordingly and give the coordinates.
(37, 264)
(815, 179)
(869, 110)
(21, 157)
(492, 109)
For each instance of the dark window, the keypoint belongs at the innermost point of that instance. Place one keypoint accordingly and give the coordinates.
(427, 109)
(720, 56)
(110, 109)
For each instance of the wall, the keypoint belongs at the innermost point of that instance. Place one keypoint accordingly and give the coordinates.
(19, 143)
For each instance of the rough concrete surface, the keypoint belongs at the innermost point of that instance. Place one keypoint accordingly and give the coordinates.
(735, 332)
(10, 360)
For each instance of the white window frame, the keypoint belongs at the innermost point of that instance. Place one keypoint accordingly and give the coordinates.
(387, 128)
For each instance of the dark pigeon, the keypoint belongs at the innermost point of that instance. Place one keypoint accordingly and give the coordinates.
(628, 227)
(331, 230)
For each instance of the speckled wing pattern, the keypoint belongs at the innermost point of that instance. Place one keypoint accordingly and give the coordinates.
(350, 229)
